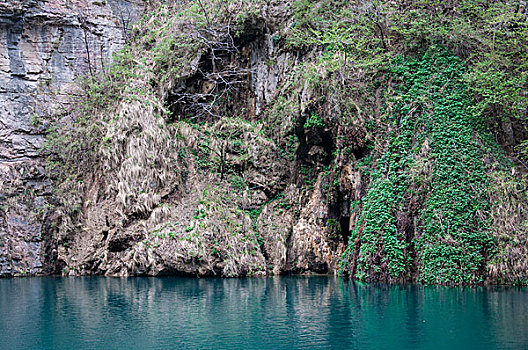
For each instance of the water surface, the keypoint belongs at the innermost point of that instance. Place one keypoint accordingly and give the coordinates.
(259, 313)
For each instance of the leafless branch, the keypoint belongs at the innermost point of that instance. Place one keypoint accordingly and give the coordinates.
(82, 24)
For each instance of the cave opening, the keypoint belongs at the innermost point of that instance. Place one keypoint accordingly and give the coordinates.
(360, 152)
(344, 225)
(328, 146)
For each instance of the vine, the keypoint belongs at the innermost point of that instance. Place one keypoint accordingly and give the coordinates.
(436, 150)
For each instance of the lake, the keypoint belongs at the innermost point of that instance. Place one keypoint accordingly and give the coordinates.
(256, 313)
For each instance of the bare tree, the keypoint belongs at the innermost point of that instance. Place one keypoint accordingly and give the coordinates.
(223, 77)
(84, 28)
(125, 18)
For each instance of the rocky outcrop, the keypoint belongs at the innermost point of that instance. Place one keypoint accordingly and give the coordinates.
(44, 46)
(220, 197)
(258, 137)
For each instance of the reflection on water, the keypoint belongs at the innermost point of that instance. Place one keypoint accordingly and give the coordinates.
(278, 313)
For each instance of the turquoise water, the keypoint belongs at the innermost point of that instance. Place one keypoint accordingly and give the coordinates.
(258, 313)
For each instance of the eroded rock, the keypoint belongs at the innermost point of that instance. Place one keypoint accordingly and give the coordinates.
(44, 46)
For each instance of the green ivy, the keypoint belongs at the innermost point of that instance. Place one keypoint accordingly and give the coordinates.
(430, 107)
(314, 121)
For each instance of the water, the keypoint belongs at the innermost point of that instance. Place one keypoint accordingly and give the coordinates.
(259, 313)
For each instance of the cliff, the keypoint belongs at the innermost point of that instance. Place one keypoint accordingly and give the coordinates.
(44, 47)
(259, 137)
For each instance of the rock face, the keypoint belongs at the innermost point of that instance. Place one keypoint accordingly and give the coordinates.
(44, 46)
(228, 143)
(221, 198)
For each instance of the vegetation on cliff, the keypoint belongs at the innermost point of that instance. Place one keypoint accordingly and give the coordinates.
(433, 172)
(247, 137)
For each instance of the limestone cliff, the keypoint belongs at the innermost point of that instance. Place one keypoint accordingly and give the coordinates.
(220, 197)
(44, 46)
(260, 137)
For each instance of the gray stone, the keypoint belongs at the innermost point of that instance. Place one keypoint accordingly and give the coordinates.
(43, 49)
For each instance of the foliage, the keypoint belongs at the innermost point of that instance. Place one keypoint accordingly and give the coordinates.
(338, 27)
(491, 35)
(314, 121)
(430, 108)
(436, 133)
(509, 218)
(456, 237)
(444, 68)
(129, 98)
